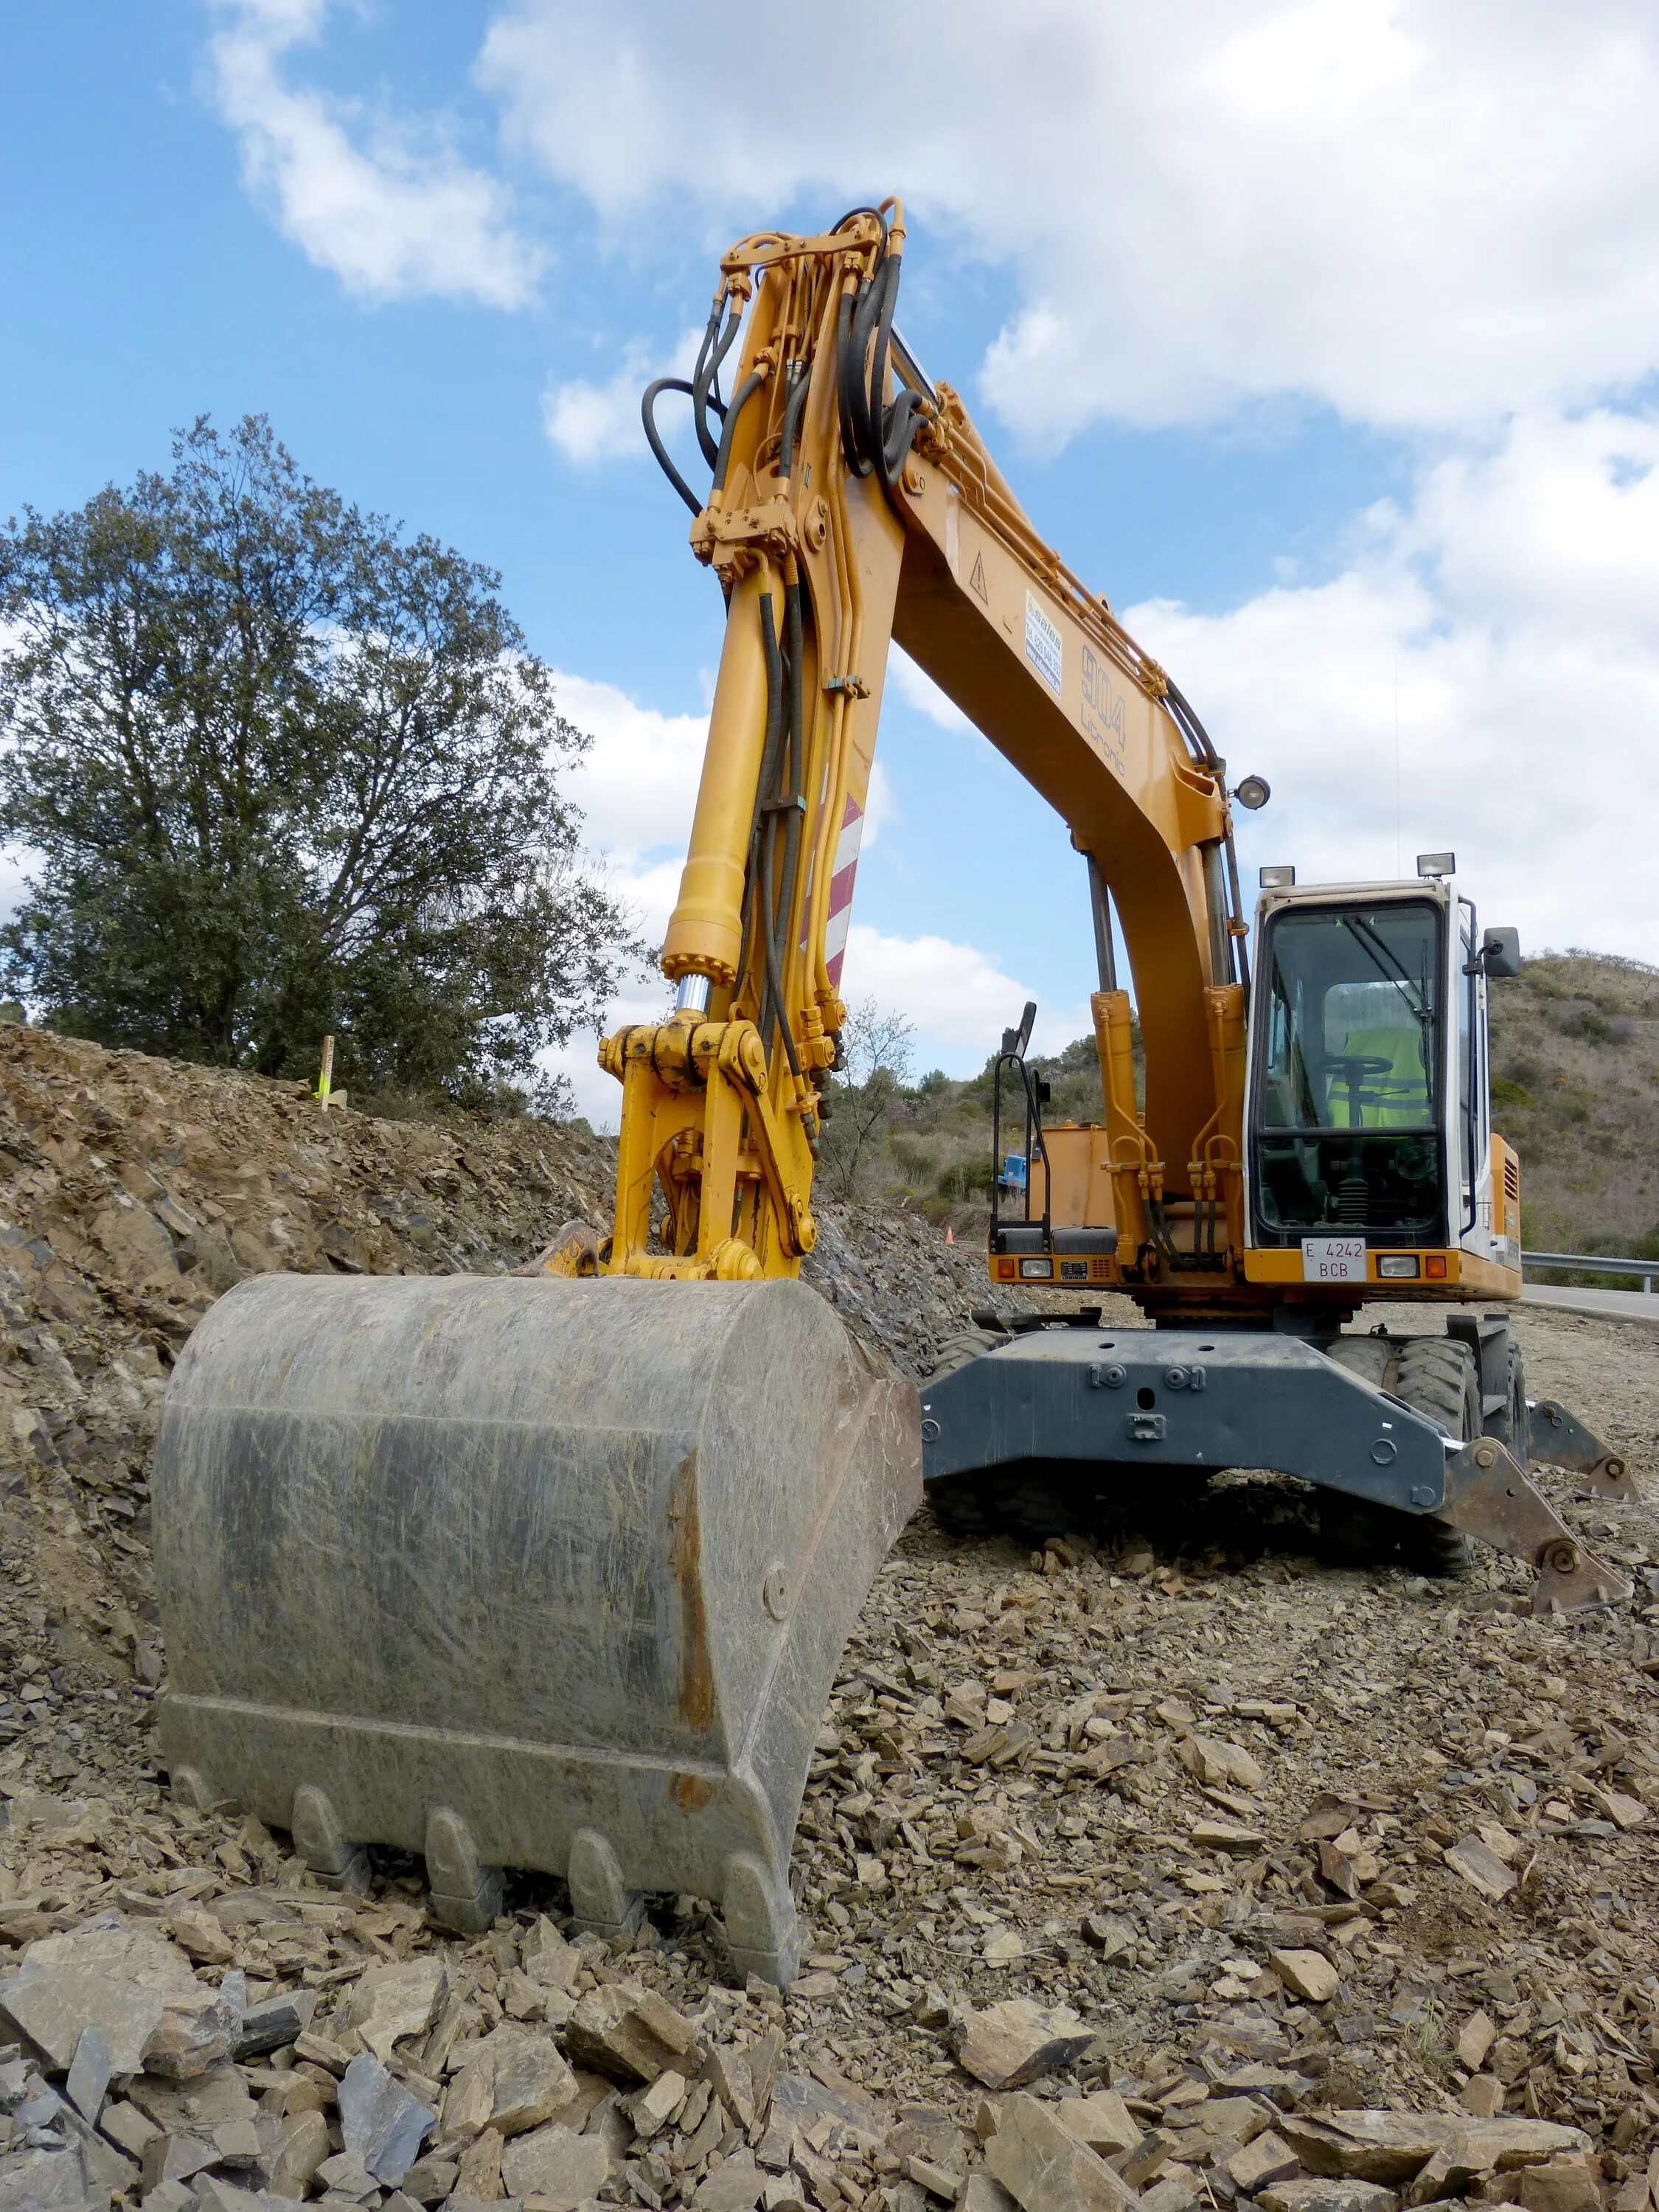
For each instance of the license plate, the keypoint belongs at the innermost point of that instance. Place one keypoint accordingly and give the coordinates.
(1332, 1258)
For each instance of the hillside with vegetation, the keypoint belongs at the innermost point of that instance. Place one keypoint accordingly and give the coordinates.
(1576, 1090)
(1575, 1042)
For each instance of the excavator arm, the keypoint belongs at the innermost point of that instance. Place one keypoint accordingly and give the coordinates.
(853, 503)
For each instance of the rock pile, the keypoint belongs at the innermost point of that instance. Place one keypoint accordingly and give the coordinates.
(1184, 1871)
(202, 2043)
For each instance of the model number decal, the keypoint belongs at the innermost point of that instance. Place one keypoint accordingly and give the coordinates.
(1102, 710)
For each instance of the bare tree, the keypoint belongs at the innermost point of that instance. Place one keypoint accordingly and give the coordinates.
(877, 1047)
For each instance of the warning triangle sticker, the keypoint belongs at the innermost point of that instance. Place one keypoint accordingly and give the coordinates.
(977, 582)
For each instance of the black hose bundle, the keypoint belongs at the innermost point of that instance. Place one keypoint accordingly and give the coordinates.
(875, 435)
(876, 438)
(704, 390)
(768, 898)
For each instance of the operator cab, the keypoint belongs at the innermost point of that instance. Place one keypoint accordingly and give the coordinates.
(1368, 1092)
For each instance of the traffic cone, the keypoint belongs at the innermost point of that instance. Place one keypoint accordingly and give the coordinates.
(949, 1236)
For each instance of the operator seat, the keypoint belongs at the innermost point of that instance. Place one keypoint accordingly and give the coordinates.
(1399, 1099)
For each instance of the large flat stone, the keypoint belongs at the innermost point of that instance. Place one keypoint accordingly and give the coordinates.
(54, 2006)
(560, 2169)
(1328, 2194)
(380, 2121)
(1045, 2169)
(1008, 2045)
(1394, 2147)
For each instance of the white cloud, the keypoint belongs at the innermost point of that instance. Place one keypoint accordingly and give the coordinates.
(590, 423)
(958, 998)
(398, 213)
(637, 787)
(917, 688)
(1420, 214)
(638, 784)
(881, 807)
(1515, 597)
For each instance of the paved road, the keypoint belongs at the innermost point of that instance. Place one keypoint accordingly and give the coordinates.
(1640, 1306)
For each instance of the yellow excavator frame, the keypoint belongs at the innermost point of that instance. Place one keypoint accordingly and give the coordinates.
(824, 558)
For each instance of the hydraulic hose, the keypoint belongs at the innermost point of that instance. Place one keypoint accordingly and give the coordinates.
(847, 380)
(771, 746)
(875, 437)
(704, 391)
(768, 902)
(653, 437)
(793, 407)
(706, 376)
(744, 392)
(1203, 751)
(790, 799)
(1190, 727)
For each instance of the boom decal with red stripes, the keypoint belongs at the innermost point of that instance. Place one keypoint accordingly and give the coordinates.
(843, 869)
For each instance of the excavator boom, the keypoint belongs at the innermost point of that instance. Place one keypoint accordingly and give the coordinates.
(853, 503)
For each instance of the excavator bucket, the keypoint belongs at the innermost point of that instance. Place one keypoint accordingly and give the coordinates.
(542, 1572)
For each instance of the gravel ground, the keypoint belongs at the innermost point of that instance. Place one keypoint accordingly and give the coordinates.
(1280, 1835)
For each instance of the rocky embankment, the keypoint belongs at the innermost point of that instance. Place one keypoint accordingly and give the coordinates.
(1191, 1871)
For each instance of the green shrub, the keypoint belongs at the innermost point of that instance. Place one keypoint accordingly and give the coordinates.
(1507, 1093)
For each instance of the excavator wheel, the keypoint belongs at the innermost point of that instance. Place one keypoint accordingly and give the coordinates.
(962, 1506)
(1437, 1376)
(1027, 1499)
(548, 1571)
(957, 1350)
(1511, 1426)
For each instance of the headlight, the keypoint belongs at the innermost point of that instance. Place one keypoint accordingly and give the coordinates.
(1036, 1271)
(1395, 1266)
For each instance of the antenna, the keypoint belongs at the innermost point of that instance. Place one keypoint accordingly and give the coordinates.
(1396, 763)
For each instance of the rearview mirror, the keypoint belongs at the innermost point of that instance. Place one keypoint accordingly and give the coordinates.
(1500, 953)
(1014, 1041)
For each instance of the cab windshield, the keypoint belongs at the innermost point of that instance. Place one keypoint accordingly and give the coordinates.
(1347, 1101)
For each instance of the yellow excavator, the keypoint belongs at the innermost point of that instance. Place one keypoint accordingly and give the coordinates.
(553, 1571)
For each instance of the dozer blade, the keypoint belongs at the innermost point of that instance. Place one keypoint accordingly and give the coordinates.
(1490, 1499)
(538, 1572)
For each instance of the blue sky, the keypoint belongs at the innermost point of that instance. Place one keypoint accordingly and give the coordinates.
(1321, 336)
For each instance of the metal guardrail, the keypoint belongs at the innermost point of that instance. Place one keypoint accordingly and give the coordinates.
(1587, 1263)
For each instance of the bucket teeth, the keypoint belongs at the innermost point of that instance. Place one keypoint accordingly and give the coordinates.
(466, 1896)
(599, 1898)
(761, 1930)
(548, 1572)
(321, 1840)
